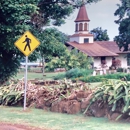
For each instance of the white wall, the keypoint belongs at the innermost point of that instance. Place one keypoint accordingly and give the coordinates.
(72, 39)
(81, 39)
(97, 62)
(123, 59)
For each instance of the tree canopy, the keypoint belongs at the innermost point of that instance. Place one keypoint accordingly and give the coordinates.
(100, 34)
(18, 16)
(123, 12)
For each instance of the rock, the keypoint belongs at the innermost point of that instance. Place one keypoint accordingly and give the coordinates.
(114, 116)
(54, 107)
(97, 111)
(80, 94)
(74, 107)
(85, 101)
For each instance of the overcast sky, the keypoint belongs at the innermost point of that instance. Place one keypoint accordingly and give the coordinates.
(101, 14)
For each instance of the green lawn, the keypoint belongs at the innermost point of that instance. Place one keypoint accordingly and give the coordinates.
(33, 75)
(57, 121)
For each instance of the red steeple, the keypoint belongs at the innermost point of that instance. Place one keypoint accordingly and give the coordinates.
(82, 15)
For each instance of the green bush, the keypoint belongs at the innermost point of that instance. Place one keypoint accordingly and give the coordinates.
(99, 78)
(120, 70)
(75, 73)
(91, 79)
(114, 94)
(59, 76)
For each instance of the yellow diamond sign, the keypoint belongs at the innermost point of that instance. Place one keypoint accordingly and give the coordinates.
(27, 43)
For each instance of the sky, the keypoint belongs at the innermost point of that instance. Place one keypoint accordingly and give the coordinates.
(101, 14)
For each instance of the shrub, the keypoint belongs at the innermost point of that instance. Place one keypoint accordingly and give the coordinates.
(115, 94)
(91, 79)
(75, 73)
(99, 78)
(120, 70)
(59, 76)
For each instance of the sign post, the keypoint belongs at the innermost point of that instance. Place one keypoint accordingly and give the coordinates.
(25, 86)
(27, 43)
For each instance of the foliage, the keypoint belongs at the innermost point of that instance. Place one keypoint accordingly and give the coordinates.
(52, 43)
(90, 79)
(100, 78)
(13, 17)
(75, 73)
(16, 17)
(59, 76)
(100, 34)
(55, 12)
(10, 95)
(123, 12)
(120, 70)
(115, 94)
(70, 60)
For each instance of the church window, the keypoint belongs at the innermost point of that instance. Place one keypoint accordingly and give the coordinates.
(86, 40)
(76, 28)
(85, 26)
(80, 27)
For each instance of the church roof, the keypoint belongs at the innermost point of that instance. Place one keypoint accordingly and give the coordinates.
(82, 15)
(96, 49)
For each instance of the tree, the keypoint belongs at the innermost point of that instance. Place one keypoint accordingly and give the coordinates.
(13, 15)
(18, 16)
(100, 34)
(123, 12)
(72, 59)
(51, 44)
(56, 11)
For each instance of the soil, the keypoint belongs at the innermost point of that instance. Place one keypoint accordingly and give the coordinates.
(7, 126)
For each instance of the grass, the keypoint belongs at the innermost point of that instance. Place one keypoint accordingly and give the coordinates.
(33, 75)
(57, 121)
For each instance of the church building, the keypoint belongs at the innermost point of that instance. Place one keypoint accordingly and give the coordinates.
(101, 51)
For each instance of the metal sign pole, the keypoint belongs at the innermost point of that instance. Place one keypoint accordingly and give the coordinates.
(25, 87)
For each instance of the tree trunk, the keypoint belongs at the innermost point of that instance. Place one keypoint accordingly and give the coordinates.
(43, 66)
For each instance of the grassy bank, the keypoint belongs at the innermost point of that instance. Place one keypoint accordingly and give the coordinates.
(57, 121)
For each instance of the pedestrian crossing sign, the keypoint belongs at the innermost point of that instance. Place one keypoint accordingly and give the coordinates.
(27, 43)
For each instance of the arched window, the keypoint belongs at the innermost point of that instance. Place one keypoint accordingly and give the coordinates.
(76, 27)
(85, 27)
(80, 27)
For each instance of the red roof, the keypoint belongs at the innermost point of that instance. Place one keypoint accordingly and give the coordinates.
(82, 15)
(110, 45)
(93, 49)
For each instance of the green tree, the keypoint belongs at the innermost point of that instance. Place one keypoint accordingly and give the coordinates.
(123, 12)
(56, 11)
(18, 16)
(72, 59)
(13, 17)
(100, 34)
(51, 44)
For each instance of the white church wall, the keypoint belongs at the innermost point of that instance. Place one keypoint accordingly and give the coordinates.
(72, 39)
(123, 59)
(81, 39)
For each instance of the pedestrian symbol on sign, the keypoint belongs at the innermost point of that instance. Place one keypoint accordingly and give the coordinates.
(28, 41)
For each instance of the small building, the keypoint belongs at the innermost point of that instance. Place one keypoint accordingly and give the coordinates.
(103, 52)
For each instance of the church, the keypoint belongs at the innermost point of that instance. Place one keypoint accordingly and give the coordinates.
(102, 52)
